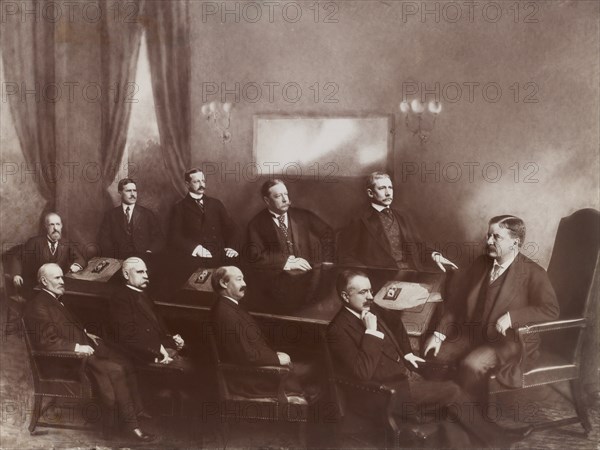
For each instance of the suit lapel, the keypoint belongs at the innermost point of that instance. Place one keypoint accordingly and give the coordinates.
(374, 227)
(473, 296)
(193, 207)
(294, 226)
(514, 278)
(359, 331)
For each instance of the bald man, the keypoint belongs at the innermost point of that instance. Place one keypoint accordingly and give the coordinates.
(62, 331)
(141, 330)
(48, 248)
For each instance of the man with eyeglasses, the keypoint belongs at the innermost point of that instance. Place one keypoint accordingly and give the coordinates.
(369, 343)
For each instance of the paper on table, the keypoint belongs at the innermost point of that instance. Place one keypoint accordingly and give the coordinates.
(405, 295)
(98, 269)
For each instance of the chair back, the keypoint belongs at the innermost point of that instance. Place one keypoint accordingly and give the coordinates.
(335, 396)
(574, 272)
(35, 370)
(8, 261)
(214, 352)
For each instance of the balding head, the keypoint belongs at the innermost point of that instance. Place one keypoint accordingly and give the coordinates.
(135, 272)
(50, 276)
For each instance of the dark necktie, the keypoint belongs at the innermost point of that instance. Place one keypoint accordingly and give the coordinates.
(53, 247)
(200, 204)
(284, 230)
(128, 223)
(495, 273)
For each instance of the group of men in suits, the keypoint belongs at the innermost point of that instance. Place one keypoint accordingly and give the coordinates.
(502, 290)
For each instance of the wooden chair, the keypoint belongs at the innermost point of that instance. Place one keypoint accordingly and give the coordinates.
(363, 412)
(55, 375)
(13, 300)
(575, 276)
(276, 407)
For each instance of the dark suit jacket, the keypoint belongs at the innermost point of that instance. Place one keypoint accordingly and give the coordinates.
(52, 325)
(239, 337)
(364, 243)
(526, 293)
(140, 329)
(214, 229)
(312, 238)
(36, 253)
(114, 241)
(366, 357)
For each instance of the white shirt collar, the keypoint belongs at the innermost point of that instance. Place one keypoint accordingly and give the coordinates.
(196, 196)
(124, 206)
(51, 293)
(276, 216)
(379, 207)
(232, 299)
(356, 314)
(506, 263)
(134, 288)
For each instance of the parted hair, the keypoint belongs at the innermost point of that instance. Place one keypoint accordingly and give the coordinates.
(124, 182)
(264, 189)
(370, 180)
(513, 224)
(344, 277)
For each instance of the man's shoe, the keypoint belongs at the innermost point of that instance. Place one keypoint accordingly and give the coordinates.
(513, 435)
(144, 415)
(141, 436)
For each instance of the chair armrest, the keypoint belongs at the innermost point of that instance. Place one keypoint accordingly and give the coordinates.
(58, 354)
(280, 370)
(277, 374)
(365, 386)
(552, 326)
(67, 364)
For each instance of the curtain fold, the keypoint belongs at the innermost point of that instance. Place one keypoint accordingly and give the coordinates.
(169, 55)
(119, 52)
(28, 59)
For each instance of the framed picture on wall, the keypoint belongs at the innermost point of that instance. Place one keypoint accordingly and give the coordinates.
(327, 146)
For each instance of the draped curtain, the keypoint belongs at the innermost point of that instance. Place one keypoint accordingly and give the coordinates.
(119, 51)
(169, 54)
(28, 60)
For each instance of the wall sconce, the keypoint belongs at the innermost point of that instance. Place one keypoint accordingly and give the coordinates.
(219, 115)
(417, 121)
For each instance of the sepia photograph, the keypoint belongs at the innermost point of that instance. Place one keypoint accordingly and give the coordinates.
(346, 224)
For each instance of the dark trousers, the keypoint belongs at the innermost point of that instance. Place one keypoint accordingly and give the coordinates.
(117, 384)
(476, 360)
(446, 402)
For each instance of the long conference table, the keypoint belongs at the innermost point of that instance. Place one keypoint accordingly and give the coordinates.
(293, 308)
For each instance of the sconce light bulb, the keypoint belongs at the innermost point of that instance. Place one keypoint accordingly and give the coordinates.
(404, 107)
(435, 107)
(227, 107)
(212, 106)
(205, 109)
(417, 106)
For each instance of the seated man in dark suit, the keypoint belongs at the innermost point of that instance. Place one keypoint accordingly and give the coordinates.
(285, 238)
(129, 229)
(201, 230)
(54, 328)
(140, 329)
(240, 339)
(502, 290)
(40, 250)
(382, 236)
(369, 343)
